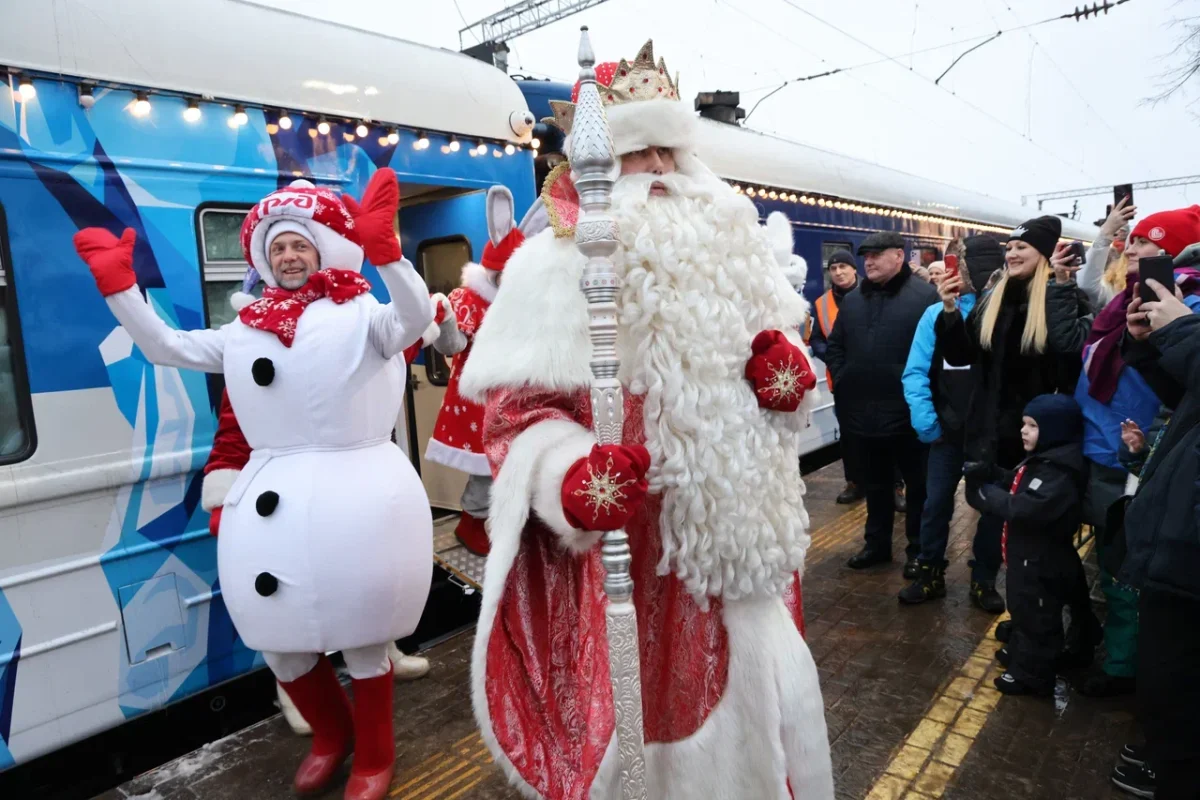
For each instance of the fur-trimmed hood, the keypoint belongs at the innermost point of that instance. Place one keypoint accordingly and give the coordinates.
(478, 279)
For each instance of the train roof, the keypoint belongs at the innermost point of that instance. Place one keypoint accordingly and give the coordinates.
(240, 50)
(745, 155)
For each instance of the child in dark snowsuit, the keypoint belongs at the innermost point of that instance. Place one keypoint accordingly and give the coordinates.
(1041, 504)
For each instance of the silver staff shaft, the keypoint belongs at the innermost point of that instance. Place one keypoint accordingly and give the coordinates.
(592, 160)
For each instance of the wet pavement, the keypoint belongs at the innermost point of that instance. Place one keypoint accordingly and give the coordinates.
(907, 690)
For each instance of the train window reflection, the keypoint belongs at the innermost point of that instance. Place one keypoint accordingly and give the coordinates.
(440, 263)
(16, 412)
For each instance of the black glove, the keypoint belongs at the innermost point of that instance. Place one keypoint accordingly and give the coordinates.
(977, 472)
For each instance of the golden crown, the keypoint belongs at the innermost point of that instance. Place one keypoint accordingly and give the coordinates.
(622, 82)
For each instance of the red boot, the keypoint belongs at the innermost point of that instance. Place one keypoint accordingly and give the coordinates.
(375, 743)
(472, 534)
(322, 701)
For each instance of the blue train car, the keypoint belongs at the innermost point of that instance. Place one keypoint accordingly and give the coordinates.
(109, 600)
(833, 202)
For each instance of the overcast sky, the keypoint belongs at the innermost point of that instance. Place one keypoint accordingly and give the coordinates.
(1056, 106)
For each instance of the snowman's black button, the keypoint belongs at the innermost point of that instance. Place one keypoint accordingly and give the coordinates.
(266, 584)
(263, 371)
(266, 503)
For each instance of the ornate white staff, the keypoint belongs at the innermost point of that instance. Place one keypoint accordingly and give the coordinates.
(592, 160)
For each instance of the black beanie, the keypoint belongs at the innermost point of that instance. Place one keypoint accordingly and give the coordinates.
(984, 255)
(842, 257)
(1059, 419)
(1042, 232)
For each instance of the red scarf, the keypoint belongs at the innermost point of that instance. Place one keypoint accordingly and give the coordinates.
(279, 309)
(1004, 534)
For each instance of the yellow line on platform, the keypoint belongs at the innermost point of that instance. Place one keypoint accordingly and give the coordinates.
(924, 764)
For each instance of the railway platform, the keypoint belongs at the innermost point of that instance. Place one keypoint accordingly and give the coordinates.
(907, 690)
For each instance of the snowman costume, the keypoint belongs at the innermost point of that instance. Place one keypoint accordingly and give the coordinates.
(326, 534)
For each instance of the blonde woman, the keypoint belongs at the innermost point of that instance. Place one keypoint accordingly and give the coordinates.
(1022, 339)
(1103, 275)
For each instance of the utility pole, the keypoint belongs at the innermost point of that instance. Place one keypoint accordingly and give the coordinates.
(495, 31)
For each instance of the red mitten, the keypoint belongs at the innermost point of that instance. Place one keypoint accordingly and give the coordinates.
(214, 520)
(441, 307)
(601, 492)
(374, 219)
(110, 259)
(779, 372)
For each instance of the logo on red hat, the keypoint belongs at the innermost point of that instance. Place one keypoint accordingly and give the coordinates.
(1156, 234)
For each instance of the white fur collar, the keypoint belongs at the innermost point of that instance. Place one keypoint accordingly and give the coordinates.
(536, 331)
(478, 279)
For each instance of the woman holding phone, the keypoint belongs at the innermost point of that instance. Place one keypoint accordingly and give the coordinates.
(1109, 395)
(1022, 339)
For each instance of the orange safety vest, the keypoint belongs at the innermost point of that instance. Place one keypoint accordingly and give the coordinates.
(827, 311)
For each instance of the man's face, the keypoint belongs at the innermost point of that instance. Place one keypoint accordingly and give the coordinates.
(884, 265)
(293, 260)
(843, 276)
(651, 161)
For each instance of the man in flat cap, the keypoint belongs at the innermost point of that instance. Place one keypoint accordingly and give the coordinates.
(867, 351)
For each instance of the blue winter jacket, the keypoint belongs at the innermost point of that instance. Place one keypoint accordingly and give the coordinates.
(1133, 399)
(917, 390)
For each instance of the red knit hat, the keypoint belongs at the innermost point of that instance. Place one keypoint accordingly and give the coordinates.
(1171, 230)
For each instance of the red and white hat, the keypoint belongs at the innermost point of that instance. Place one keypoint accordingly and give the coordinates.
(1171, 230)
(322, 219)
(642, 104)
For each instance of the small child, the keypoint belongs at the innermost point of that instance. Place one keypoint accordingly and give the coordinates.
(1040, 503)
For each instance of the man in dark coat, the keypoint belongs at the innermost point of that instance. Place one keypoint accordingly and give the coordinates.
(1162, 532)
(867, 351)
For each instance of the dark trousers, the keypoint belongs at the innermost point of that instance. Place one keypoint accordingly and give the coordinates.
(881, 457)
(852, 459)
(941, 484)
(1038, 588)
(1168, 691)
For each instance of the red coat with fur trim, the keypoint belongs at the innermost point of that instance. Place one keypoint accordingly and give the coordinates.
(458, 433)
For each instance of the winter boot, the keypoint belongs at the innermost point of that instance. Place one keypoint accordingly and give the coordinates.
(1004, 631)
(1137, 780)
(930, 584)
(472, 534)
(1008, 684)
(295, 719)
(912, 568)
(985, 596)
(320, 699)
(850, 494)
(405, 667)
(375, 742)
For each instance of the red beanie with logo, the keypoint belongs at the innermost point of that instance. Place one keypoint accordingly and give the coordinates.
(1171, 230)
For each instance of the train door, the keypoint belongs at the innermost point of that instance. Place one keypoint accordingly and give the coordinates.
(440, 262)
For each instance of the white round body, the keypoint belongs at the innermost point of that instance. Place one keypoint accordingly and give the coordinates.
(347, 546)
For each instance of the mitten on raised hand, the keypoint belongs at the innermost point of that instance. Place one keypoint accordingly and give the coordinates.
(374, 219)
(779, 372)
(604, 490)
(110, 259)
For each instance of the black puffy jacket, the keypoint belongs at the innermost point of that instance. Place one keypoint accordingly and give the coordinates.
(1162, 524)
(868, 349)
(1004, 379)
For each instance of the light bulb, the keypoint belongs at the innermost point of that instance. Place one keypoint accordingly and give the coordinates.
(445, 149)
(497, 153)
(27, 89)
(535, 143)
(141, 106)
(323, 127)
(422, 141)
(192, 112)
(772, 194)
(481, 149)
(86, 98)
(285, 122)
(240, 117)
(509, 149)
(454, 146)
(362, 131)
(312, 133)
(535, 152)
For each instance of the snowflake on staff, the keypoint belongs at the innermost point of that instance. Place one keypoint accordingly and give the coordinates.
(786, 381)
(603, 490)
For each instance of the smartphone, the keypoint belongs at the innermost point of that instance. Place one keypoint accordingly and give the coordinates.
(1161, 269)
(951, 262)
(1079, 252)
(1121, 191)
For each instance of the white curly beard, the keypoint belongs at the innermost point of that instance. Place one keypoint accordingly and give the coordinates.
(700, 283)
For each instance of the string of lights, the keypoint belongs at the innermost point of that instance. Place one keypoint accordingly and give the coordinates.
(839, 204)
(277, 119)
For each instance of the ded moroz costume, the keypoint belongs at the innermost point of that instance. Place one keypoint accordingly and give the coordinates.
(706, 484)
(326, 534)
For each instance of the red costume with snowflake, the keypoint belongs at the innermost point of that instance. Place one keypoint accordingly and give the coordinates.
(706, 483)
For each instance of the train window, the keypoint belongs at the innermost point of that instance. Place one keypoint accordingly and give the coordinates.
(16, 408)
(440, 262)
(827, 251)
(222, 264)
